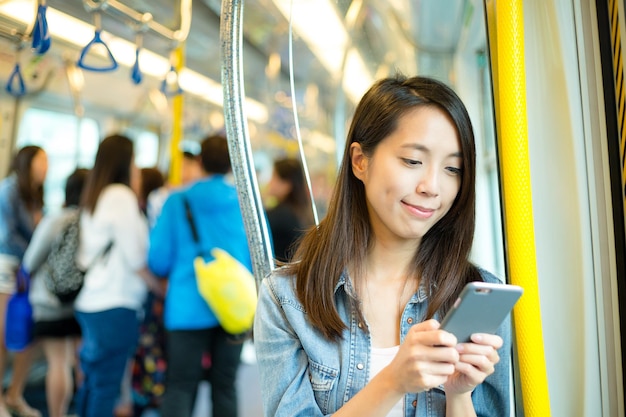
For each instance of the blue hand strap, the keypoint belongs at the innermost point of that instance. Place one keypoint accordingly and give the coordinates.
(173, 92)
(41, 34)
(135, 73)
(96, 40)
(15, 86)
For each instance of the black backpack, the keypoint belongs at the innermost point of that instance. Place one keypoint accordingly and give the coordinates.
(63, 277)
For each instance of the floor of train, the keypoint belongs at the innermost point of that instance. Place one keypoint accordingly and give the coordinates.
(247, 385)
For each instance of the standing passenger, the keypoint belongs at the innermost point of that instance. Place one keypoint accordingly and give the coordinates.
(292, 214)
(112, 296)
(350, 328)
(190, 172)
(55, 324)
(191, 327)
(21, 208)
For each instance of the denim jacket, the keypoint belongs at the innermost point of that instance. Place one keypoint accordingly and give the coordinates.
(304, 374)
(16, 224)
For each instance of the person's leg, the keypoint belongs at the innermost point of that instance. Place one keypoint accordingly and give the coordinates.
(109, 337)
(225, 358)
(14, 395)
(59, 383)
(8, 270)
(184, 356)
(4, 299)
(124, 406)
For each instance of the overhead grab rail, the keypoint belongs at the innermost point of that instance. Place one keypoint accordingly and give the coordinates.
(178, 35)
(36, 30)
(12, 34)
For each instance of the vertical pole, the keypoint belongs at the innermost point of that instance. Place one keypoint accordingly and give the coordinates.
(231, 36)
(507, 44)
(178, 60)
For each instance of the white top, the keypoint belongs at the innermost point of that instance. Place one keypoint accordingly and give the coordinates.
(112, 281)
(382, 357)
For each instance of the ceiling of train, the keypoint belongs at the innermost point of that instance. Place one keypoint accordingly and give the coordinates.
(382, 29)
(410, 36)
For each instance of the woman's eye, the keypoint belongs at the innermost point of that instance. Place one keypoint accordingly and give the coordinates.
(454, 170)
(411, 162)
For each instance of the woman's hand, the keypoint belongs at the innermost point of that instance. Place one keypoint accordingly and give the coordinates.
(477, 361)
(152, 282)
(426, 358)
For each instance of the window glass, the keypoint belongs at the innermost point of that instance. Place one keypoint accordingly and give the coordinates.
(68, 141)
(146, 147)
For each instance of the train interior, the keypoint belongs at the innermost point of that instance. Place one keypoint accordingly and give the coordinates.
(157, 70)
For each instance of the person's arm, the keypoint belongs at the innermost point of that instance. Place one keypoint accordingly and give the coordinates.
(13, 233)
(40, 243)
(153, 283)
(161, 248)
(426, 358)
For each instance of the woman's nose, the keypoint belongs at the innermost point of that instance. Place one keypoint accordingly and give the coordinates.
(428, 182)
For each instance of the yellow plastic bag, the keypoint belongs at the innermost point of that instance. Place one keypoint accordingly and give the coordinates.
(229, 289)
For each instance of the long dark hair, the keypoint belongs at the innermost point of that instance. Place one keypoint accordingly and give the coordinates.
(31, 194)
(74, 186)
(345, 234)
(112, 166)
(290, 170)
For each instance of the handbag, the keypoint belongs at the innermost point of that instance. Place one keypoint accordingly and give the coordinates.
(226, 285)
(19, 316)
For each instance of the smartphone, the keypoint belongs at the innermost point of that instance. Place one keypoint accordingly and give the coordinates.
(480, 308)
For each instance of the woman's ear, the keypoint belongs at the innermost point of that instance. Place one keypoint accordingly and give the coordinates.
(358, 160)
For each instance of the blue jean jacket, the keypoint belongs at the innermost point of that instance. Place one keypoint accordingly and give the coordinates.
(304, 374)
(16, 224)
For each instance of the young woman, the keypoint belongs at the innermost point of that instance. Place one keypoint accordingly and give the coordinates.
(55, 326)
(21, 208)
(114, 290)
(351, 328)
(292, 214)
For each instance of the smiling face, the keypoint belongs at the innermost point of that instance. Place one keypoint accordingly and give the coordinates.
(413, 176)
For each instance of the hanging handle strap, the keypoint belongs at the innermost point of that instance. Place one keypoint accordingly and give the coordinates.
(171, 89)
(15, 85)
(135, 73)
(41, 34)
(97, 40)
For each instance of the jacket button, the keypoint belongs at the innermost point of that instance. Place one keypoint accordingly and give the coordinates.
(360, 325)
(414, 403)
(359, 366)
(409, 320)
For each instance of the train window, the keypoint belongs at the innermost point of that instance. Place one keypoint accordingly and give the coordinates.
(146, 147)
(69, 142)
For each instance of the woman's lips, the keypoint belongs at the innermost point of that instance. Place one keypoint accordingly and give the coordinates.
(419, 211)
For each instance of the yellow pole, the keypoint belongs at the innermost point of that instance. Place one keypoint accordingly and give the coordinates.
(519, 226)
(174, 179)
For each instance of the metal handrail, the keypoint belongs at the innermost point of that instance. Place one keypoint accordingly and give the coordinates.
(242, 161)
(146, 19)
